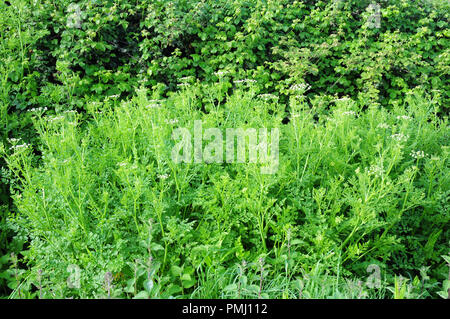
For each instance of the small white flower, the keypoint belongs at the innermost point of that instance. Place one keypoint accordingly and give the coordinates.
(244, 81)
(122, 164)
(153, 105)
(403, 117)
(418, 154)
(376, 170)
(349, 113)
(56, 118)
(300, 87)
(163, 176)
(38, 109)
(185, 78)
(183, 84)
(220, 73)
(383, 125)
(21, 146)
(400, 137)
(13, 140)
(268, 97)
(342, 99)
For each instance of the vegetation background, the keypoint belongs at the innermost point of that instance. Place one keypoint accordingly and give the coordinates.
(92, 206)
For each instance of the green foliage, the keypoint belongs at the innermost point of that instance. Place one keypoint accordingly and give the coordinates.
(98, 48)
(91, 204)
(352, 188)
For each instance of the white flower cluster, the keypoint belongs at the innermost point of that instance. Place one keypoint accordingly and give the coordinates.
(56, 118)
(13, 140)
(183, 84)
(300, 87)
(268, 96)
(403, 117)
(122, 164)
(418, 154)
(153, 104)
(376, 170)
(342, 99)
(400, 137)
(21, 146)
(244, 81)
(186, 78)
(220, 73)
(115, 96)
(38, 109)
(349, 113)
(383, 125)
(163, 176)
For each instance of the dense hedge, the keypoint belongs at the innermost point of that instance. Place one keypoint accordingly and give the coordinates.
(111, 47)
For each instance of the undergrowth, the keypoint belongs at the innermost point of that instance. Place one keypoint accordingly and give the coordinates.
(109, 209)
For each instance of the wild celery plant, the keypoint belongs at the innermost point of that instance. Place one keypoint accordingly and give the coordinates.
(352, 188)
(18, 77)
